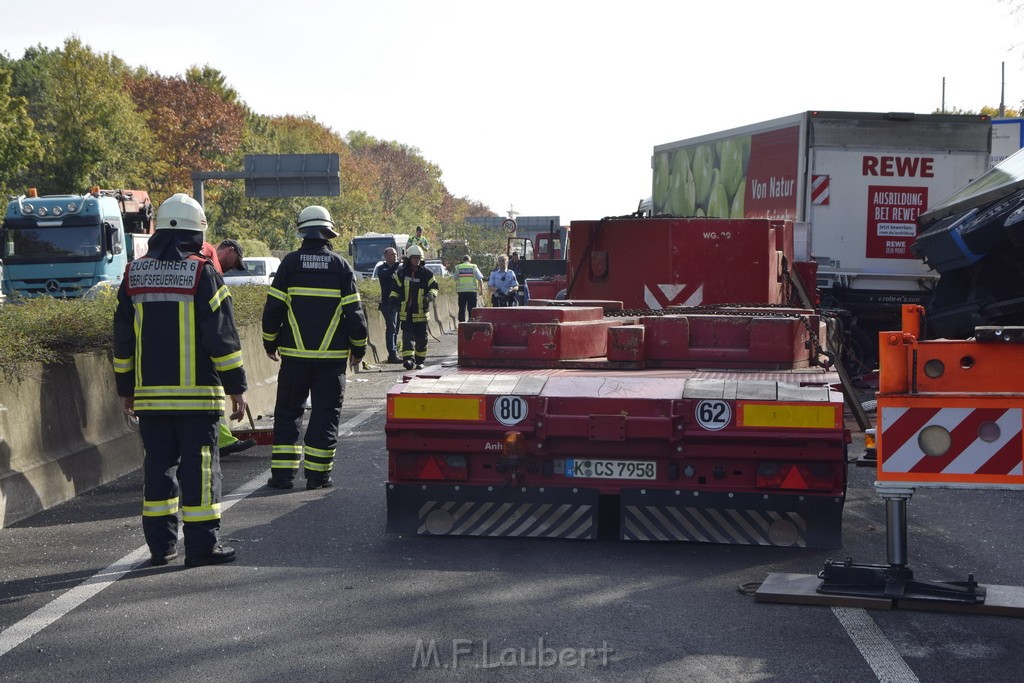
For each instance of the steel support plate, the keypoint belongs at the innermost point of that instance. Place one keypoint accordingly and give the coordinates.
(801, 589)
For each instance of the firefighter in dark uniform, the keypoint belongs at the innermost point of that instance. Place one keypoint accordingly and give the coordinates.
(313, 324)
(415, 292)
(176, 353)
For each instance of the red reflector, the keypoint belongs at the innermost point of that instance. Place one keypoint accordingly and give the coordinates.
(431, 467)
(814, 476)
(794, 480)
(431, 470)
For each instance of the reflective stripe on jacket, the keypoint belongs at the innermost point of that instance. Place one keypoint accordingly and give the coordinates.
(413, 285)
(467, 275)
(313, 310)
(175, 340)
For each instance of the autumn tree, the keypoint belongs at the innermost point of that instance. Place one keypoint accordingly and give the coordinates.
(408, 187)
(195, 129)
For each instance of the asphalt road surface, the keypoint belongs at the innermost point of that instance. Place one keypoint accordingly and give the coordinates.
(321, 592)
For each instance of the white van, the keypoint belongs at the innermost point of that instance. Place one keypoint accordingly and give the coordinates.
(261, 271)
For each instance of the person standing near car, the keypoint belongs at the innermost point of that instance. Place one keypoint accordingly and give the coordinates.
(385, 274)
(313, 324)
(176, 353)
(415, 290)
(468, 283)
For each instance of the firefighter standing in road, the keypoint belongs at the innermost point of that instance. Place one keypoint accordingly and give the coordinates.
(176, 352)
(468, 279)
(416, 290)
(313, 324)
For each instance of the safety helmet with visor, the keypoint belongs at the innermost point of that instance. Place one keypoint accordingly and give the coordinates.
(181, 212)
(315, 221)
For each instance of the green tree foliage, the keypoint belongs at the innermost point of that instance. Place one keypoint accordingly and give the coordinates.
(20, 146)
(214, 81)
(90, 130)
(99, 121)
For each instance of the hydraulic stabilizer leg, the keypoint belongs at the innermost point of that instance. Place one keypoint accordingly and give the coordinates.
(895, 580)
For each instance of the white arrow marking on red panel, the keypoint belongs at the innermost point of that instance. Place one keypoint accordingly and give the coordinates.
(669, 296)
(650, 300)
(696, 299)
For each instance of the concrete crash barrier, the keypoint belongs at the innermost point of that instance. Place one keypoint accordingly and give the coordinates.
(443, 319)
(62, 430)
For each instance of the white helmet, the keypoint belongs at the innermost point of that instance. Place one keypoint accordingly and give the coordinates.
(181, 212)
(414, 251)
(315, 221)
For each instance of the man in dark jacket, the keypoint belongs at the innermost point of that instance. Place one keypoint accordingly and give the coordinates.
(313, 324)
(385, 274)
(176, 352)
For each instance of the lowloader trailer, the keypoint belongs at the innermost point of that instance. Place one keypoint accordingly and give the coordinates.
(718, 424)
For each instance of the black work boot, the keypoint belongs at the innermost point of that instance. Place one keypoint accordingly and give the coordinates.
(159, 559)
(221, 554)
(318, 481)
(408, 363)
(279, 482)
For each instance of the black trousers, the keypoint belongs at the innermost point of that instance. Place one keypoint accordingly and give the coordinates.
(414, 335)
(324, 383)
(467, 302)
(181, 458)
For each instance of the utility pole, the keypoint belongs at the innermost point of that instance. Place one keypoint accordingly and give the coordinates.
(943, 94)
(1002, 93)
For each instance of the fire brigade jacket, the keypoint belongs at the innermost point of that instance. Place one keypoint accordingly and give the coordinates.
(416, 289)
(176, 348)
(313, 310)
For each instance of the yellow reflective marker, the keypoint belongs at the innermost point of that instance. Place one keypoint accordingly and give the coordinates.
(788, 415)
(416, 407)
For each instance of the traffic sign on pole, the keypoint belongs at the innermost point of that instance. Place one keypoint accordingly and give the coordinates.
(292, 175)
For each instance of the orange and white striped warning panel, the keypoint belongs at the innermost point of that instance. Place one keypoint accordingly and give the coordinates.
(948, 442)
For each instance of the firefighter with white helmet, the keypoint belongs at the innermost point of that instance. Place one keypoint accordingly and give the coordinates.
(313, 324)
(417, 288)
(176, 354)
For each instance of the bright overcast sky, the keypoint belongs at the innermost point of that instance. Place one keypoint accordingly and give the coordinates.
(554, 106)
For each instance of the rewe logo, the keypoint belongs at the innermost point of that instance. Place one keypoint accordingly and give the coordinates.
(663, 296)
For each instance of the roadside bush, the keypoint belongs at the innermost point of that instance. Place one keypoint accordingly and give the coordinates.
(48, 330)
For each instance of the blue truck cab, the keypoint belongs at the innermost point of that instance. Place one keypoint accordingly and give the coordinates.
(62, 245)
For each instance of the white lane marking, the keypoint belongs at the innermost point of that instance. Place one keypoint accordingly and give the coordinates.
(876, 649)
(18, 633)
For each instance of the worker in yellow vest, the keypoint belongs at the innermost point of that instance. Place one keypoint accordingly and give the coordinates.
(468, 283)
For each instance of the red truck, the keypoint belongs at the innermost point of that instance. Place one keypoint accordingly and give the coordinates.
(600, 413)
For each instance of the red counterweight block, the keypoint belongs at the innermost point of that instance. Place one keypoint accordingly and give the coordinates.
(535, 333)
